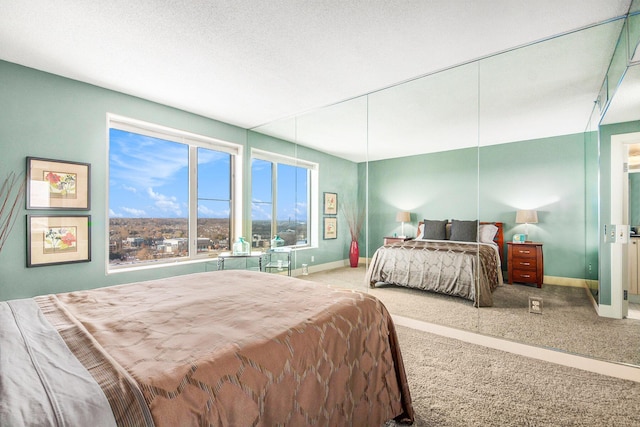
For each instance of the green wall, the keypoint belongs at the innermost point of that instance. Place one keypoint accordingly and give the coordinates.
(546, 175)
(434, 186)
(45, 115)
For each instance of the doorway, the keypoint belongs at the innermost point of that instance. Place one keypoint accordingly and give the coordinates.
(632, 207)
(621, 147)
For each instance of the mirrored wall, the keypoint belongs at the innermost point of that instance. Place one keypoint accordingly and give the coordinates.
(518, 130)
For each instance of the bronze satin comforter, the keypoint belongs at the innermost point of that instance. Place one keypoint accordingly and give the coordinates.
(468, 270)
(236, 348)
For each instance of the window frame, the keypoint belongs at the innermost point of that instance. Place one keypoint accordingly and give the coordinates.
(312, 195)
(193, 142)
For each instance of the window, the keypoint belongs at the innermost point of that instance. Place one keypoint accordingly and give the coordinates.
(281, 190)
(171, 195)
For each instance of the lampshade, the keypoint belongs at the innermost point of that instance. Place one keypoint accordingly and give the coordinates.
(403, 216)
(526, 217)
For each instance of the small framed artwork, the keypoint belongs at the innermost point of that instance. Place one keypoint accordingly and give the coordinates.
(330, 203)
(57, 184)
(330, 227)
(58, 239)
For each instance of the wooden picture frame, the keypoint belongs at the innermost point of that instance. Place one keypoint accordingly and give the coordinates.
(57, 184)
(58, 239)
(330, 203)
(330, 228)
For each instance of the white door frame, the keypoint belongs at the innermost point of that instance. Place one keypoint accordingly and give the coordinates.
(619, 276)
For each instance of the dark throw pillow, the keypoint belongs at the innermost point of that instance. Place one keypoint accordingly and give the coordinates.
(435, 230)
(464, 231)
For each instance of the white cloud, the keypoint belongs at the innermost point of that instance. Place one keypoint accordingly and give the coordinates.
(261, 211)
(112, 214)
(165, 203)
(206, 212)
(136, 213)
(144, 161)
(301, 208)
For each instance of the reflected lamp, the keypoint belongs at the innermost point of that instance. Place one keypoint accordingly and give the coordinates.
(403, 216)
(526, 217)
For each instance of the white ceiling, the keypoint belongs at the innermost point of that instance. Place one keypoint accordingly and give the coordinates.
(250, 62)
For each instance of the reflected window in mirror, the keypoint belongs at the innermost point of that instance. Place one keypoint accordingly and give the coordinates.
(281, 190)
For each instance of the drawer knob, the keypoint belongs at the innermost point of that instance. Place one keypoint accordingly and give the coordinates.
(525, 275)
(525, 263)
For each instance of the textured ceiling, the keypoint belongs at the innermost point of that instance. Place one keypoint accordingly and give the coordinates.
(249, 62)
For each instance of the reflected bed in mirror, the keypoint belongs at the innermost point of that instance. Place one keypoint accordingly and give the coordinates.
(457, 258)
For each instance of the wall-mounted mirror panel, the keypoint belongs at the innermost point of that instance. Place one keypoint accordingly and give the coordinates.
(534, 108)
(423, 160)
(619, 132)
(334, 145)
(513, 131)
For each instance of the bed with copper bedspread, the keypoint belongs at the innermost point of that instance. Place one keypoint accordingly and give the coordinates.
(228, 348)
(464, 269)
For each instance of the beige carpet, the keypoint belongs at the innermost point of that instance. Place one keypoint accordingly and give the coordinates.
(568, 323)
(454, 383)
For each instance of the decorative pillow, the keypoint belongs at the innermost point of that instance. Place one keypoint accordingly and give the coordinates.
(487, 232)
(420, 232)
(464, 231)
(434, 230)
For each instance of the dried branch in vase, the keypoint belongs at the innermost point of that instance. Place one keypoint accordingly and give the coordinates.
(355, 219)
(11, 194)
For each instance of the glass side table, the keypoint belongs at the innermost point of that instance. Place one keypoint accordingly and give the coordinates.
(278, 260)
(255, 255)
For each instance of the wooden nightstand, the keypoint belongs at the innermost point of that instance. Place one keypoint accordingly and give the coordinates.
(525, 263)
(390, 240)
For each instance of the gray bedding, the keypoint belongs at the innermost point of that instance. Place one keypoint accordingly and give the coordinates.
(41, 382)
(468, 270)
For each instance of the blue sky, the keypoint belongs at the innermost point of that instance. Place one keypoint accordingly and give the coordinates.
(148, 178)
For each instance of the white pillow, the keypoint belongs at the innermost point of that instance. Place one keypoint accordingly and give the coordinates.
(420, 231)
(487, 232)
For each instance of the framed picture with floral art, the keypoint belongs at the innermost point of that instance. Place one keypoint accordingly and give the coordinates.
(57, 184)
(330, 228)
(330, 203)
(58, 239)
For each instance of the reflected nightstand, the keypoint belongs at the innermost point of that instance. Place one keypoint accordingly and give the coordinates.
(525, 263)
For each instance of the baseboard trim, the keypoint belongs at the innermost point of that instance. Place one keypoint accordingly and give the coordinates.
(321, 267)
(564, 281)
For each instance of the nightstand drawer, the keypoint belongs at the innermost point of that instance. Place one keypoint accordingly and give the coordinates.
(524, 252)
(524, 276)
(525, 263)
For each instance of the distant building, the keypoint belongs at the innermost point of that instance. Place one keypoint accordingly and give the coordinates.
(175, 245)
(203, 244)
(134, 241)
(115, 246)
(258, 242)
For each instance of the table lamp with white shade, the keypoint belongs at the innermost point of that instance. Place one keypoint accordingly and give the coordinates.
(526, 217)
(403, 216)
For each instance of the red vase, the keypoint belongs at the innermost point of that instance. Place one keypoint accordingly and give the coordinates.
(354, 254)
